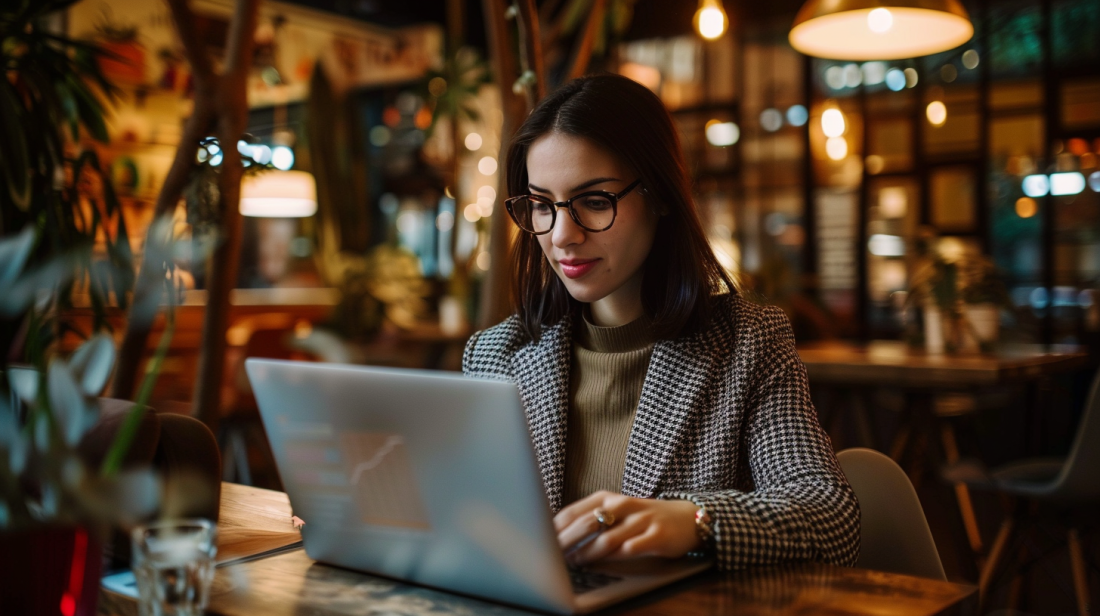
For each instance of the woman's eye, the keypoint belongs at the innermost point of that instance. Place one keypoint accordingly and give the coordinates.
(540, 208)
(596, 203)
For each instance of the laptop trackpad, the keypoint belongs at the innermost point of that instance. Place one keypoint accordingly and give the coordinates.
(603, 584)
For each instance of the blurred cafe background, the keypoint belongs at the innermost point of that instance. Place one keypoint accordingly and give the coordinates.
(945, 205)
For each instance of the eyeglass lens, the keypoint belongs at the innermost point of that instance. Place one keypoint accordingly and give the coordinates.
(593, 212)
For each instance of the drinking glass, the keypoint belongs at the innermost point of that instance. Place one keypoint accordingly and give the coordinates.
(174, 566)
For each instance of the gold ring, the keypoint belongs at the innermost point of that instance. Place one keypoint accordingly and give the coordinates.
(604, 518)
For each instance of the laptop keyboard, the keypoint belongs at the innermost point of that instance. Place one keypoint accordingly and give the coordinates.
(584, 580)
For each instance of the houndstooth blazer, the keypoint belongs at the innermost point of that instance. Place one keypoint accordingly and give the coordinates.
(724, 420)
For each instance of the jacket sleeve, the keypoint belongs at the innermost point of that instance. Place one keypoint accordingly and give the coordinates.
(468, 354)
(801, 507)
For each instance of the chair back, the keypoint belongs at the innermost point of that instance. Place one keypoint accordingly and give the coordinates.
(894, 534)
(1079, 479)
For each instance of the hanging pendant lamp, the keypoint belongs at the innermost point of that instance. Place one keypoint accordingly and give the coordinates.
(879, 29)
(279, 194)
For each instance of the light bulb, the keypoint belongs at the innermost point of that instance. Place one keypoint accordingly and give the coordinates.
(880, 20)
(710, 20)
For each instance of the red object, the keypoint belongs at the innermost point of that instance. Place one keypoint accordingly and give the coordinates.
(50, 570)
(127, 64)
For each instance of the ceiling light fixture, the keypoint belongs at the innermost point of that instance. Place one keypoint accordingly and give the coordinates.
(279, 194)
(879, 29)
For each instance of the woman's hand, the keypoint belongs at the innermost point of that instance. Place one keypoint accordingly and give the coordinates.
(642, 527)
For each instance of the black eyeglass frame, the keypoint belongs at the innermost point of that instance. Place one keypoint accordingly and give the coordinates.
(568, 204)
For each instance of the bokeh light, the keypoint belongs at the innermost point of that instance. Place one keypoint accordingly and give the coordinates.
(911, 77)
(1026, 207)
(937, 113)
(473, 142)
(880, 20)
(852, 75)
(1037, 185)
(895, 79)
(282, 157)
(379, 136)
(445, 221)
(797, 115)
(970, 59)
(836, 148)
(873, 73)
(487, 165)
(771, 120)
(832, 123)
(722, 134)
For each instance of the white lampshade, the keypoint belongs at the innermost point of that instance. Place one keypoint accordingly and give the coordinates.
(279, 194)
(879, 29)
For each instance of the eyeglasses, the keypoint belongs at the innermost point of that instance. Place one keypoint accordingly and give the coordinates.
(593, 211)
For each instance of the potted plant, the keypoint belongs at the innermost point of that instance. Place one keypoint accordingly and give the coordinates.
(55, 510)
(960, 299)
(983, 295)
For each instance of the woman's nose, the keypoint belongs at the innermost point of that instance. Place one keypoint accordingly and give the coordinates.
(566, 231)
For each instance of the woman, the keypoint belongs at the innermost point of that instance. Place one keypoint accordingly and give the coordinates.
(669, 415)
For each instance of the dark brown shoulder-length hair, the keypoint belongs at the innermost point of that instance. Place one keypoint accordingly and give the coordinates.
(681, 272)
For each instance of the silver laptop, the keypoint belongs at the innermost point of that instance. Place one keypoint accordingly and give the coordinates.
(429, 477)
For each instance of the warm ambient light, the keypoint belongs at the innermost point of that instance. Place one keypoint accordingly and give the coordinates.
(832, 123)
(937, 113)
(864, 30)
(1026, 207)
(836, 148)
(882, 245)
(279, 194)
(722, 134)
(880, 20)
(710, 20)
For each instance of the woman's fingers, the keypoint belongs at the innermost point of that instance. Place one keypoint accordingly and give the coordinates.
(585, 506)
(609, 541)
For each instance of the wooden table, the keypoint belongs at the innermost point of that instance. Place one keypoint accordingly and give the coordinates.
(292, 584)
(851, 369)
(894, 364)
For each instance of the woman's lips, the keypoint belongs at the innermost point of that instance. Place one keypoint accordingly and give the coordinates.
(575, 268)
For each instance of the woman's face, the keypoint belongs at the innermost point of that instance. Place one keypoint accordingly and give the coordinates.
(602, 269)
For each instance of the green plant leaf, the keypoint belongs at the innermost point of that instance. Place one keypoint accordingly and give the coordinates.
(71, 410)
(91, 364)
(15, 161)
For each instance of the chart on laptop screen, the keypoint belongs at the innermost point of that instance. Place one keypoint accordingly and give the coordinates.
(382, 480)
(371, 471)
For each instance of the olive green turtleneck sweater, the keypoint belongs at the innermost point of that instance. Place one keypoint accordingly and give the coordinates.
(605, 383)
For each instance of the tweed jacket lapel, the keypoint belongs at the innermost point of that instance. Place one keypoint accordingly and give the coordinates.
(663, 420)
(542, 377)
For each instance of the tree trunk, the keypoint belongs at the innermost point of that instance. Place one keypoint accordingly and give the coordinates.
(226, 260)
(496, 301)
(221, 106)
